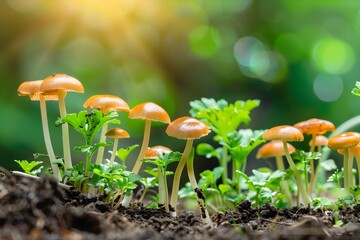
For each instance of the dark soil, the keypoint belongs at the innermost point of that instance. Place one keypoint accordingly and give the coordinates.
(40, 209)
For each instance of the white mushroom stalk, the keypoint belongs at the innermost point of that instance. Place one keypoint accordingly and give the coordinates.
(65, 131)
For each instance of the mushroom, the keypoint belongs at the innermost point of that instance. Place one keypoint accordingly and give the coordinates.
(286, 134)
(153, 153)
(32, 89)
(343, 142)
(314, 127)
(275, 148)
(187, 128)
(116, 133)
(60, 84)
(320, 141)
(105, 103)
(147, 111)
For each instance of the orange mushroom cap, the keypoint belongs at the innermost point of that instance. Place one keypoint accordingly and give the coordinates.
(149, 111)
(57, 82)
(106, 103)
(117, 133)
(284, 132)
(342, 141)
(315, 126)
(32, 89)
(273, 149)
(187, 128)
(320, 140)
(153, 152)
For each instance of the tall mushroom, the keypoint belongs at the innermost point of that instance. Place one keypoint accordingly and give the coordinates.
(60, 84)
(286, 134)
(116, 133)
(275, 148)
(343, 143)
(314, 127)
(149, 112)
(32, 89)
(187, 128)
(105, 103)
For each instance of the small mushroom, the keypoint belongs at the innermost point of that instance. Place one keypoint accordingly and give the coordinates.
(149, 112)
(314, 127)
(116, 133)
(105, 103)
(286, 134)
(187, 128)
(343, 142)
(32, 89)
(275, 148)
(153, 153)
(60, 84)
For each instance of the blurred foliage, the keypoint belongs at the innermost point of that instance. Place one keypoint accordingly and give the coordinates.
(300, 58)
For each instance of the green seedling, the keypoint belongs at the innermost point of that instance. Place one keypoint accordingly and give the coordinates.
(162, 161)
(88, 125)
(28, 167)
(147, 182)
(123, 153)
(224, 120)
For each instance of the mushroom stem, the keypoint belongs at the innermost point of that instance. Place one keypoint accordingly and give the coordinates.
(162, 192)
(346, 166)
(65, 131)
(349, 169)
(143, 148)
(358, 167)
(100, 153)
(285, 186)
(111, 162)
(47, 139)
(312, 166)
(205, 217)
(302, 191)
(177, 176)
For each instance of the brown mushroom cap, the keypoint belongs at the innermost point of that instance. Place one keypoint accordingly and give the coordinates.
(284, 132)
(273, 149)
(342, 141)
(117, 133)
(152, 153)
(106, 103)
(32, 89)
(315, 126)
(149, 111)
(187, 128)
(61, 82)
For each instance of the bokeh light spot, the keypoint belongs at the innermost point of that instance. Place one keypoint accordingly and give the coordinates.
(333, 56)
(204, 41)
(327, 87)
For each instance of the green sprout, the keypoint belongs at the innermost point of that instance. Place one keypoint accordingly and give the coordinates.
(28, 167)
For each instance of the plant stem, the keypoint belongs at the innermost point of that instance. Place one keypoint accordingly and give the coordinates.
(100, 153)
(224, 164)
(47, 139)
(65, 131)
(302, 191)
(111, 162)
(143, 148)
(177, 176)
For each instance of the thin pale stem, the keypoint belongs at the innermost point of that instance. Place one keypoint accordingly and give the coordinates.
(302, 192)
(205, 217)
(113, 155)
(357, 157)
(65, 131)
(177, 176)
(346, 167)
(317, 170)
(143, 148)
(224, 164)
(100, 153)
(161, 187)
(312, 165)
(47, 139)
(350, 173)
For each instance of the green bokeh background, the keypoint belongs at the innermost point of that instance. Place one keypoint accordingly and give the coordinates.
(300, 58)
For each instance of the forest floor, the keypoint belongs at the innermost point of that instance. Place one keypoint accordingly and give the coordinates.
(41, 209)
